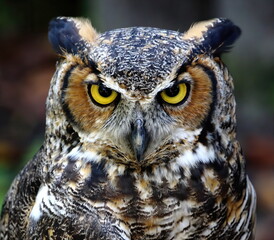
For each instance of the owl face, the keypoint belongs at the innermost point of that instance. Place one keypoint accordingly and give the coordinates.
(138, 89)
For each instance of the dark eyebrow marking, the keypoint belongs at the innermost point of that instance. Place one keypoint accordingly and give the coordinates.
(182, 69)
(93, 66)
(94, 70)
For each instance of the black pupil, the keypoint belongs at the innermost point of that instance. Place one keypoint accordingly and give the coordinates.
(104, 91)
(173, 91)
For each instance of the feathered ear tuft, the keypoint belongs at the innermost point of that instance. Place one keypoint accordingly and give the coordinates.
(216, 35)
(69, 35)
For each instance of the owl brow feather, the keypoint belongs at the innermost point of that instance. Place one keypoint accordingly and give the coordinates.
(182, 69)
(93, 66)
(93, 77)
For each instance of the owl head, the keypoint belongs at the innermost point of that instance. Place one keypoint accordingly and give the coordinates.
(141, 91)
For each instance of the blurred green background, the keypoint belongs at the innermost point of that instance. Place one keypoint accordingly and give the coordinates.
(27, 64)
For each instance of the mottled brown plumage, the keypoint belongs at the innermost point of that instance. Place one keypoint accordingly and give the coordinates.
(140, 140)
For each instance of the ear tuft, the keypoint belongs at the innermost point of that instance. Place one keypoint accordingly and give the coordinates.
(69, 35)
(216, 35)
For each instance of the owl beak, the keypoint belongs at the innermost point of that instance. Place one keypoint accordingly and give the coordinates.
(139, 138)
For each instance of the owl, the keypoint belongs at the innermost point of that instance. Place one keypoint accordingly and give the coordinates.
(140, 140)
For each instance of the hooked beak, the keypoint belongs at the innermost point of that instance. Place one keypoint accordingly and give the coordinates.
(139, 138)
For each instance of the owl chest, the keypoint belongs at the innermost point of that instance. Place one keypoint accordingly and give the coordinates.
(158, 204)
(144, 212)
(140, 204)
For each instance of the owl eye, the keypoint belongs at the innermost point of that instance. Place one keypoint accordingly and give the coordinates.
(101, 94)
(175, 94)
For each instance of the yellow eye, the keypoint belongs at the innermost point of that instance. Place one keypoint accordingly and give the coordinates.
(102, 95)
(175, 94)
